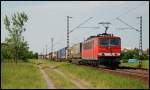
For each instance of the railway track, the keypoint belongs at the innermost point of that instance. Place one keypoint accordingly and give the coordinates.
(137, 74)
(129, 71)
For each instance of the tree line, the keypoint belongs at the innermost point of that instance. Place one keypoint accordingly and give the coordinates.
(15, 47)
(134, 54)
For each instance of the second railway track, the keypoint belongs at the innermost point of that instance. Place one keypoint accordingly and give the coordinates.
(137, 74)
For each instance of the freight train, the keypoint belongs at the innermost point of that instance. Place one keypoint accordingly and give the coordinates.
(102, 49)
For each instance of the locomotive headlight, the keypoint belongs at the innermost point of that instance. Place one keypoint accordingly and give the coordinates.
(117, 54)
(109, 54)
(101, 54)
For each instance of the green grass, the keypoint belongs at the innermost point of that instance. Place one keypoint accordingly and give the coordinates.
(87, 76)
(145, 64)
(97, 79)
(93, 78)
(21, 76)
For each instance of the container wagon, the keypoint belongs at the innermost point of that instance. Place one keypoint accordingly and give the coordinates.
(75, 53)
(62, 54)
(55, 56)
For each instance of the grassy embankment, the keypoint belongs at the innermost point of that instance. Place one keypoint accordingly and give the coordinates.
(27, 75)
(90, 77)
(23, 75)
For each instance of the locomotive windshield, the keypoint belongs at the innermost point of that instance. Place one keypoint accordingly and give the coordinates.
(104, 42)
(109, 42)
(114, 42)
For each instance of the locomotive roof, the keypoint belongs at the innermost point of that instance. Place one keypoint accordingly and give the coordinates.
(101, 35)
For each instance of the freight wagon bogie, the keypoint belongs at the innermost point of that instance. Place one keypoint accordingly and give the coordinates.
(75, 61)
(113, 64)
(109, 62)
(90, 62)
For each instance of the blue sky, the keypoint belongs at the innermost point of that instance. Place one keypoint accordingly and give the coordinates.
(47, 19)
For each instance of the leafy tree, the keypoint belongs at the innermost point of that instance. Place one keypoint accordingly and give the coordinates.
(5, 52)
(15, 28)
(133, 54)
(36, 55)
(24, 49)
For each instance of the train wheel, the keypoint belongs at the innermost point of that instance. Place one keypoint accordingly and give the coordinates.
(80, 62)
(113, 67)
(70, 61)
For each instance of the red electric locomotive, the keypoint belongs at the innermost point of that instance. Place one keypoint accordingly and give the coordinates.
(103, 49)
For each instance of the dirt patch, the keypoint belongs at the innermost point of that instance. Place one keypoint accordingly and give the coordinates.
(76, 82)
(47, 80)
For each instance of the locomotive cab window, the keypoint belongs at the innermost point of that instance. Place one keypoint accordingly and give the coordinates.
(104, 42)
(115, 42)
(109, 42)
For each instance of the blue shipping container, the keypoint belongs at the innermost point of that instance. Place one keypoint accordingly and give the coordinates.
(62, 53)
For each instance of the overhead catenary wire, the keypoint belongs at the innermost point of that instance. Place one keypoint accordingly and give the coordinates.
(131, 9)
(90, 27)
(127, 12)
(80, 24)
(123, 28)
(140, 31)
(127, 24)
